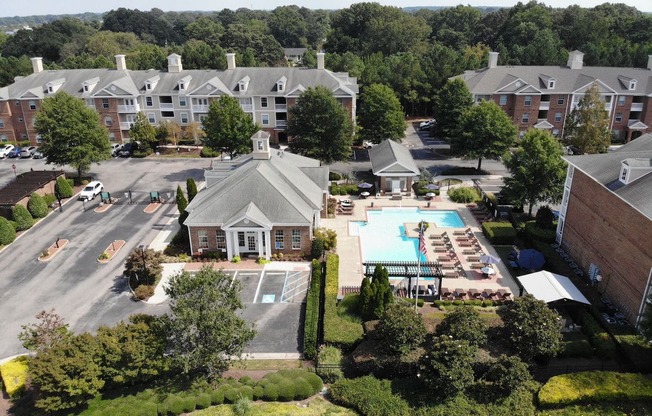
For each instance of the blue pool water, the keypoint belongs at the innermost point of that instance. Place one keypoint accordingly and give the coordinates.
(382, 237)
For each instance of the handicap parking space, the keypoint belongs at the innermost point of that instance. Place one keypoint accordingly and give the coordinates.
(271, 287)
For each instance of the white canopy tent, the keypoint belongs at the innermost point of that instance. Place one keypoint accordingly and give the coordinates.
(551, 287)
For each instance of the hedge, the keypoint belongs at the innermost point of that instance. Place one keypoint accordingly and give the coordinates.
(311, 321)
(7, 232)
(595, 386)
(208, 152)
(329, 364)
(464, 195)
(577, 349)
(22, 217)
(337, 331)
(64, 187)
(369, 396)
(499, 233)
(37, 206)
(14, 374)
(344, 190)
(533, 232)
(604, 345)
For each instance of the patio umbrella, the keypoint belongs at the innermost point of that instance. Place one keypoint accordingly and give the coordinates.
(489, 259)
(431, 186)
(365, 185)
(531, 259)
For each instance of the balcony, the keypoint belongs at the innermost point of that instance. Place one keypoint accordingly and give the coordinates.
(128, 108)
(200, 108)
(281, 107)
(544, 105)
(281, 123)
(166, 106)
(247, 107)
(637, 107)
(125, 125)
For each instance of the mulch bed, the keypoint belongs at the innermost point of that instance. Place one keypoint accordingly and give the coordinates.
(53, 250)
(152, 208)
(112, 250)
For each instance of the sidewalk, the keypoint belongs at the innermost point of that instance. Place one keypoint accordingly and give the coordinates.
(169, 270)
(166, 235)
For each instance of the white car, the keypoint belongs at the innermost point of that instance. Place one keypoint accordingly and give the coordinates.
(4, 150)
(115, 149)
(426, 125)
(367, 144)
(91, 190)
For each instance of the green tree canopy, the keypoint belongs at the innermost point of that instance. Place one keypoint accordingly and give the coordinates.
(537, 170)
(485, 131)
(401, 329)
(204, 328)
(587, 126)
(532, 328)
(452, 100)
(228, 128)
(464, 323)
(72, 133)
(380, 115)
(508, 373)
(143, 266)
(48, 331)
(320, 126)
(143, 132)
(447, 365)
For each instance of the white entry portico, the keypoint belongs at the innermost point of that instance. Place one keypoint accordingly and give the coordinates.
(249, 231)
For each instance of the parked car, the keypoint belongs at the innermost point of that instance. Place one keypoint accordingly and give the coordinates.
(38, 154)
(427, 125)
(26, 152)
(91, 190)
(572, 150)
(127, 149)
(367, 144)
(15, 152)
(115, 149)
(5, 149)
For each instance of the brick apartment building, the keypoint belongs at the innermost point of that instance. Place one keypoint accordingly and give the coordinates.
(542, 96)
(178, 95)
(605, 222)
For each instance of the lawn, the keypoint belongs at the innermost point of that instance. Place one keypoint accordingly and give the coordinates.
(311, 407)
(266, 364)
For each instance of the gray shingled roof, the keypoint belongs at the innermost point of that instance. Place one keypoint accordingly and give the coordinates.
(605, 169)
(276, 190)
(391, 157)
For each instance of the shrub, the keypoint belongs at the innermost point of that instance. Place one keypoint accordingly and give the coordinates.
(270, 392)
(231, 394)
(595, 386)
(188, 403)
(259, 392)
(334, 176)
(604, 345)
(37, 206)
(143, 292)
(317, 248)
(63, 187)
(401, 329)
(7, 232)
(545, 218)
(14, 374)
(577, 349)
(464, 195)
(534, 232)
(311, 320)
(369, 396)
(286, 390)
(22, 217)
(49, 199)
(173, 404)
(235, 259)
(328, 364)
(217, 397)
(499, 233)
(242, 406)
(203, 401)
(208, 152)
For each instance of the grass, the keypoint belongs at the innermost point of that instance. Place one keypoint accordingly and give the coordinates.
(314, 407)
(601, 409)
(266, 364)
(348, 308)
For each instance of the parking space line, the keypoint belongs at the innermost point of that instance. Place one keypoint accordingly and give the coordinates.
(299, 279)
(260, 282)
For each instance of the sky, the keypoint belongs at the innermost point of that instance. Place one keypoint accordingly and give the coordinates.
(42, 7)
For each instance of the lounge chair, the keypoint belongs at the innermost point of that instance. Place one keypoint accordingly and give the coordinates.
(345, 211)
(463, 232)
(472, 259)
(469, 251)
(476, 266)
(468, 243)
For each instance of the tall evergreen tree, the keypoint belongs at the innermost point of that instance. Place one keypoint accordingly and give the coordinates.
(366, 299)
(191, 188)
(182, 203)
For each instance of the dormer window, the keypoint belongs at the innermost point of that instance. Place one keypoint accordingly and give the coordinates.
(85, 88)
(632, 85)
(53, 86)
(182, 86)
(243, 84)
(148, 85)
(551, 83)
(280, 86)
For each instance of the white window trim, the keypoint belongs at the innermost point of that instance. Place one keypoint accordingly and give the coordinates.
(264, 122)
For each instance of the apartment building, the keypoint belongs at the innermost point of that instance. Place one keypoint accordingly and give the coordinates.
(542, 96)
(178, 95)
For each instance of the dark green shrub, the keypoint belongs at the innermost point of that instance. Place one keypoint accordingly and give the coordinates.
(7, 232)
(217, 397)
(22, 217)
(311, 320)
(208, 152)
(605, 347)
(302, 389)
(203, 401)
(500, 233)
(64, 187)
(328, 364)
(464, 195)
(37, 206)
(189, 403)
(270, 392)
(191, 189)
(49, 199)
(545, 218)
(334, 176)
(259, 392)
(286, 390)
(317, 248)
(534, 232)
(369, 396)
(577, 349)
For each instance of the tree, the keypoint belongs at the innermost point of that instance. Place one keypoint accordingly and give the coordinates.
(143, 132)
(537, 170)
(587, 126)
(485, 131)
(450, 103)
(401, 328)
(63, 187)
(366, 299)
(382, 292)
(72, 133)
(228, 128)
(143, 266)
(447, 365)
(22, 217)
(204, 329)
(464, 323)
(328, 236)
(380, 115)
(194, 131)
(191, 188)
(7, 232)
(320, 126)
(43, 335)
(37, 206)
(532, 329)
(182, 203)
(508, 373)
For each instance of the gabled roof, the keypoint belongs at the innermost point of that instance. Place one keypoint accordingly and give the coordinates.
(543, 124)
(551, 287)
(390, 157)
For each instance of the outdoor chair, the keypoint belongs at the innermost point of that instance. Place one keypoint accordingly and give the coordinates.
(462, 232)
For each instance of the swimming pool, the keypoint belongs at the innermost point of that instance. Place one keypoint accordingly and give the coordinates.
(382, 237)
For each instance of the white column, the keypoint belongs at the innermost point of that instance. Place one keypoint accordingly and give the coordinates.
(236, 245)
(259, 237)
(229, 244)
(268, 247)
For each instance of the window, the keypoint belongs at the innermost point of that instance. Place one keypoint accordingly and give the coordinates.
(149, 102)
(555, 132)
(39, 138)
(551, 84)
(280, 86)
(202, 236)
(17, 103)
(3, 138)
(182, 102)
(632, 85)
(527, 100)
(105, 103)
(184, 118)
(621, 100)
(259, 145)
(265, 119)
(241, 239)
(151, 118)
(525, 118)
(148, 85)
(557, 117)
(619, 117)
(296, 239)
(111, 137)
(560, 100)
(503, 100)
(20, 119)
(278, 240)
(182, 86)
(2, 124)
(32, 105)
(221, 240)
(23, 135)
(167, 114)
(623, 177)
(108, 121)
(85, 88)
(263, 102)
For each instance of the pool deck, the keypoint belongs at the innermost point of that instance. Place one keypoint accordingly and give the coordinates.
(348, 247)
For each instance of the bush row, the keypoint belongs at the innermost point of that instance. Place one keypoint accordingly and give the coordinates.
(14, 374)
(311, 323)
(208, 152)
(464, 195)
(7, 232)
(329, 364)
(344, 190)
(499, 233)
(369, 396)
(337, 331)
(64, 187)
(605, 347)
(534, 232)
(595, 386)
(473, 302)
(577, 349)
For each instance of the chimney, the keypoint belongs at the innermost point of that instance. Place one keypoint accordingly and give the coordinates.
(37, 65)
(174, 63)
(230, 61)
(260, 141)
(120, 63)
(575, 60)
(320, 60)
(493, 60)
(649, 62)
